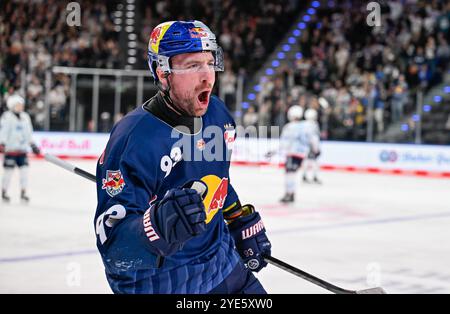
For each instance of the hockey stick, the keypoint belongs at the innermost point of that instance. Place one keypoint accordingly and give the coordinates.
(63, 164)
(317, 281)
(269, 259)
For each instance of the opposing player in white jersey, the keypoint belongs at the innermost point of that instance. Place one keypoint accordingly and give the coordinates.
(311, 163)
(15, 141)
(295, 147)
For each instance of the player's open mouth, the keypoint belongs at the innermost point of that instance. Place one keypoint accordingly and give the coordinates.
(203, 97)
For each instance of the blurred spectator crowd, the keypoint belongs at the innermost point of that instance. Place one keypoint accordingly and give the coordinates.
(34, 36)
(345, 66)
(351, 66)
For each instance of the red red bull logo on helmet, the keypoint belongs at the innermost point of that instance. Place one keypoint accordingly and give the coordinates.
(114, 182)
(198, 32)
(154, 36)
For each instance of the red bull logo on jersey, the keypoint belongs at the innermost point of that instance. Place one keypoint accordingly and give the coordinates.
(217, 193)
(114, 182)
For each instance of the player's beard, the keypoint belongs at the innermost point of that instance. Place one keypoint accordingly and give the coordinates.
(189, 102)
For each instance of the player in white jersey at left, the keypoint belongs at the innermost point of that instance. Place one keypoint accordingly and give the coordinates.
(16, 133)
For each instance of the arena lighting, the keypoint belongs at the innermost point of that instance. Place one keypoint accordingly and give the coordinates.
(132, 36)
(129, 29)
(296, 33)
(275, 63)
(117, 28)
(118, 14)
(416, 118)
(245, 105)
(130, 7)
(311, 11)
(301, 25)
(269, 71)
(117, 21)
(132, 60)
(426, 108)
(306, 18)
(315, 4)
(286, 48)
(132, 44)
(437, 99)
(257, 88)
(130, 21)
(298, 55)
(280, 55)
(447, 89)
(130, 14)
(251, 96)
(132, 52)
(405, 127)
(291, 40)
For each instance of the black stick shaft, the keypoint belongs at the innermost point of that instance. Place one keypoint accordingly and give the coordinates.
(300, 273)
(63, 164)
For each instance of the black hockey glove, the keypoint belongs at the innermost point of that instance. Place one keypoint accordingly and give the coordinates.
(35, 149)
(249, 234)
(178, 217)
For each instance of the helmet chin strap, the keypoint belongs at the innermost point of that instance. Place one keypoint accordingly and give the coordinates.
(168, 100)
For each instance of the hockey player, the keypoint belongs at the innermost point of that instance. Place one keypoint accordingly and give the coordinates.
(312, 127)
(167, 222)
(294, 146)
(15, 141)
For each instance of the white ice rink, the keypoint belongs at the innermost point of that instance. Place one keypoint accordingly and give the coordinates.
(356, 231)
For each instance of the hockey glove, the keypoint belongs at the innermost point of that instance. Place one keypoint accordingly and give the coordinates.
(313, 155)
(35, 149)
(250, 237)
(176, 218)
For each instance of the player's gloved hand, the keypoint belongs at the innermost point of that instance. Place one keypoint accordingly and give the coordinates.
(250, 238)
(178, 217)
(313, 154)
(35, 149)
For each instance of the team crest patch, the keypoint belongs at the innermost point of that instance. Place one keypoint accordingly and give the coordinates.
(229, 136)
(114, 182)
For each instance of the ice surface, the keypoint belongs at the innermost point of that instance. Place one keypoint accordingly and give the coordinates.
(356, 231)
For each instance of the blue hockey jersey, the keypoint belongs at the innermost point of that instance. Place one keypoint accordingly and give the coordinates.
(143, 159)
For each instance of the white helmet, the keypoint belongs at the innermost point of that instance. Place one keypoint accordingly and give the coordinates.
(13, 100)
(295, 113)
(311, 115)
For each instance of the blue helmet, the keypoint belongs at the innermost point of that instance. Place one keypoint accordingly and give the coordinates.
(176, 37)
